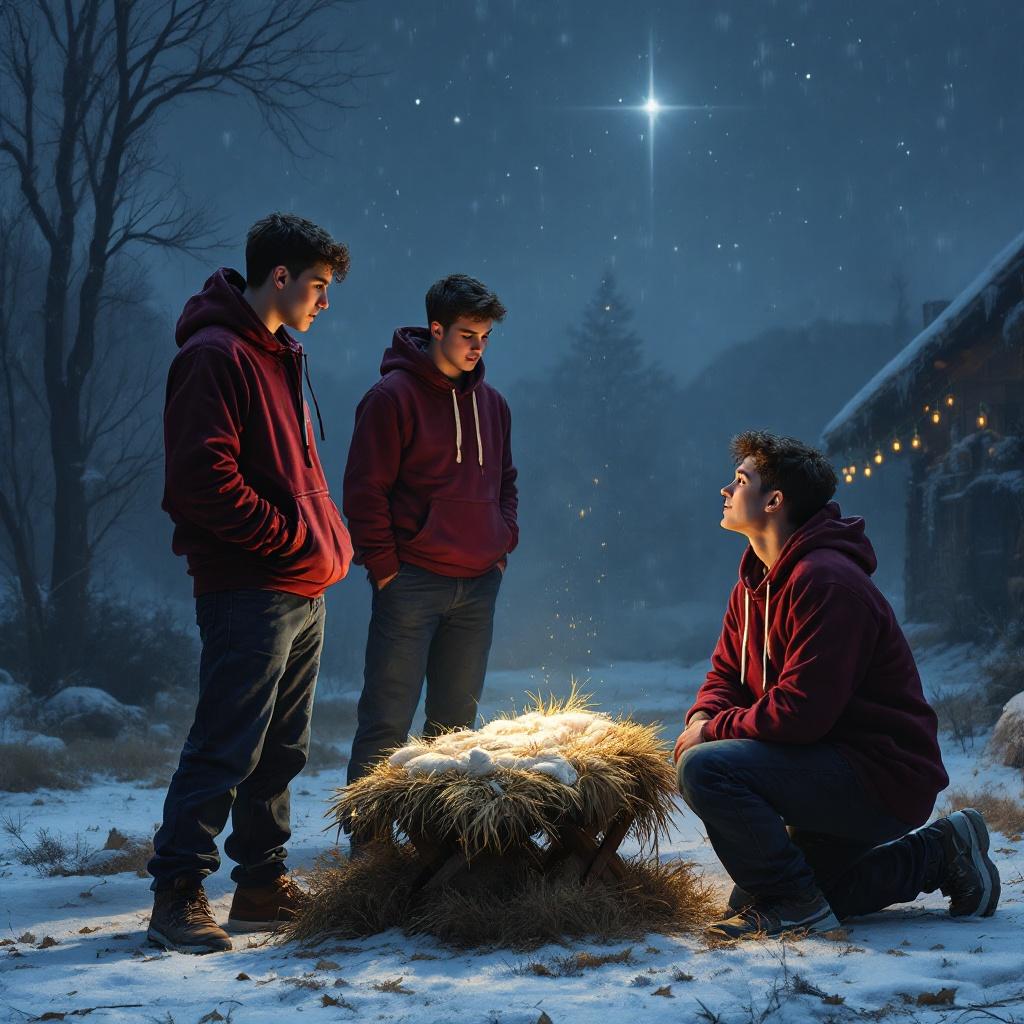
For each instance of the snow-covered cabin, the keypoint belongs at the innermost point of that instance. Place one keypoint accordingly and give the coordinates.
(951, 407)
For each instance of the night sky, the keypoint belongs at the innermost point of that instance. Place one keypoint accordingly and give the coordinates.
(821, 148)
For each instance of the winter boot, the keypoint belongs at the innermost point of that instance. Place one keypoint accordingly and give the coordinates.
(965, 873)
(261, 908)
(182, 921)
(809, 912)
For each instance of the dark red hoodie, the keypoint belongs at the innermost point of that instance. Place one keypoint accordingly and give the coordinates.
(243, 482)
(825, 661)
(430, 478)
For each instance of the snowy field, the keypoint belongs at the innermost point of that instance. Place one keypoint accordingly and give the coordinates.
(75, 947)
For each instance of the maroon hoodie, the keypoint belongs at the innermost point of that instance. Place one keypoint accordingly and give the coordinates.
(811, 652)
(243, 482)
(430, 478)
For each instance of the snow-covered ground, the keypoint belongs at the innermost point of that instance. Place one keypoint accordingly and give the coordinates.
(77, 944)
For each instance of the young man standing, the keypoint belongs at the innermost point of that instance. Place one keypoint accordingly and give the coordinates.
(263, 539)
(430, 498)
(810, 746)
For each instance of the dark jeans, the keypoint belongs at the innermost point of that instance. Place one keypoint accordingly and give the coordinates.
(428, 625)
(250, 737)
(747, 792)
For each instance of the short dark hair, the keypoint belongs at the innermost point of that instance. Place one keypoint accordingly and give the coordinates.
(461, 295)
(805, 477)
(282, 239)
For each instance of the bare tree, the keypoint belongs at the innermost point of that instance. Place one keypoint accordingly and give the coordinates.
(82, 86)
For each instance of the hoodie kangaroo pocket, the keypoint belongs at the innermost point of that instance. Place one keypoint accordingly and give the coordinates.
(467, 534)
(325, 554)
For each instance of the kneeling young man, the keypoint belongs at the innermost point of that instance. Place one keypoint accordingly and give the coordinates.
(431, 501)
(810, 747)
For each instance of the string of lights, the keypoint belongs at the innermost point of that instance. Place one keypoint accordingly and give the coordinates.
(910, 438)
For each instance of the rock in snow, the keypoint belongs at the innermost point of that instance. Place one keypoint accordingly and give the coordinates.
(87, 711)
(1008, 736)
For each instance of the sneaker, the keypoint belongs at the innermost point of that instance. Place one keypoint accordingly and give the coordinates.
(968, 877)
(739, 899)
(182, 921)
(261, 908)
(809, 913)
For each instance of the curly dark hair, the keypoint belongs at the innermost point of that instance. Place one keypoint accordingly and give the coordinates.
(460, 295)
(805, 477)
(283, 239)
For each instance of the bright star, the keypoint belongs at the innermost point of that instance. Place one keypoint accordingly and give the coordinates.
(652, 106)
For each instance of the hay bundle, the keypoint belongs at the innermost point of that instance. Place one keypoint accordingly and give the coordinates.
(501, 902)
(491, 793)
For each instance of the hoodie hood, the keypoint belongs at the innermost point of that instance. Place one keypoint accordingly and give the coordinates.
(825, 529)
(409, 352)
(220, 304)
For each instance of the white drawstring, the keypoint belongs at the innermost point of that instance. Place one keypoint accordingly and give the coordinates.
(479, 443)
(743, 648)
(458, 427)
(746, 632)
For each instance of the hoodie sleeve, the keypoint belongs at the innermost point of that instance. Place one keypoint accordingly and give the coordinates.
(722, 688)
(832, 638)
(509, 498)
(207, 398)
(374, 459)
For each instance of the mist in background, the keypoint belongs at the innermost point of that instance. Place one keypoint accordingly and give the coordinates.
(751, 265)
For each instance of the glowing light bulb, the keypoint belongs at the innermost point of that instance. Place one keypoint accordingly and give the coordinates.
(878, 457)
(853, 470)
(915, 441)
(949, 400)
(848, 478)
(982, 420)
(652, 106)
(867, 471)
(897, 445)
(936, 416)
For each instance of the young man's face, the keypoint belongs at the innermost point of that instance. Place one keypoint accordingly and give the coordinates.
(745, 506)
(300, 299)
(457, 350)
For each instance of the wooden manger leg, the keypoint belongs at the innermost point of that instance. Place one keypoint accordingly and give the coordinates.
(596, 861)
(440, 862)
(607, 858)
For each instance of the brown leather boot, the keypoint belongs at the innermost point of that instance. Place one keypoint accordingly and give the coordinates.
(261, 908)
(182, 921)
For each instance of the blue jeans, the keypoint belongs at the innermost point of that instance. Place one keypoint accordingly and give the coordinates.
(783, 818)
(250, 737)
(423, 624)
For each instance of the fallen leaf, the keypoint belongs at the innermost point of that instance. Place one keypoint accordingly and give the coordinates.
(242, 976)
(326, 1000)
(836, 934)
(87, 930)
(944, 997)
(665, 990)
(544, 1018)
(52, 1015)
(833, 1000)
(48, 942)
(211, 1016)
(326, 965)
(938, 945)
(28, 937)
(896, 952)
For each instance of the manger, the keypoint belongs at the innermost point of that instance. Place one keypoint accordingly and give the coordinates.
(510, 835)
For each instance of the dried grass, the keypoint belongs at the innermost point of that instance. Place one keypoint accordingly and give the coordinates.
(24, 769)
(627, 771)
(499, 902)
(1002, 813)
